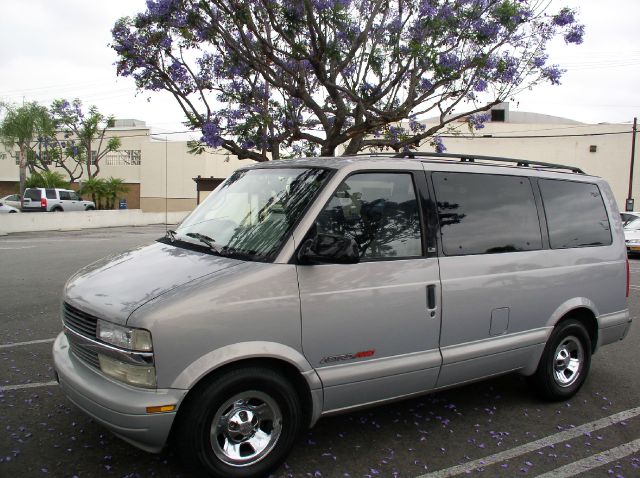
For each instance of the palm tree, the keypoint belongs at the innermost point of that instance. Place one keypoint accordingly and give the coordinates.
(114, 187)
(96, 188)
(46, 179)
(20, 127)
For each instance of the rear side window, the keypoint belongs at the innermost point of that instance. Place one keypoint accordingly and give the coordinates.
(576, 215)
(486, 214)
(51, 193)
(33, 194)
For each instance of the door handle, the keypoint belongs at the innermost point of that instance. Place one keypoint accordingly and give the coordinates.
(431, 299)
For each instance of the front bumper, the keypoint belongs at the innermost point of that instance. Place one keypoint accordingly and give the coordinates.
(117, 406)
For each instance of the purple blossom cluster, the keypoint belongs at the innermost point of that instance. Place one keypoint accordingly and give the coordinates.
(477, 121)
(212, 135)
(427, 49)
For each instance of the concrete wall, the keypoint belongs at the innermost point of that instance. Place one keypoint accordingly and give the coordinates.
(71, 221)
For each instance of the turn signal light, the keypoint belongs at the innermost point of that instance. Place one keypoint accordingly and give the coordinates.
(161, 409)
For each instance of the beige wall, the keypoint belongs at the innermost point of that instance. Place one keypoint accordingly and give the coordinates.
(158, 204)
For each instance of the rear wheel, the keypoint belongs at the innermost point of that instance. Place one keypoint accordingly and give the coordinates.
(240, 425)
(56, 209)
(565, 362)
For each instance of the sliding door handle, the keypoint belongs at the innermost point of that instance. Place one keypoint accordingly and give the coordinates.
(431, 297)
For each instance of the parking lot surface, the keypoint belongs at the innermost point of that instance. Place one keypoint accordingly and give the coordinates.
(493, 428)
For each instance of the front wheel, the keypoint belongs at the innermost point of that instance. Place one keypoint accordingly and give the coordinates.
(565, 362)
(240, 425)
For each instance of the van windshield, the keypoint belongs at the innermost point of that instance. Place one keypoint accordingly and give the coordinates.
(252, 212)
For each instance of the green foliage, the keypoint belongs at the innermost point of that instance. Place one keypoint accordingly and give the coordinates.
(20, 127)
(103, 192)
(46, 179)
(89, 129)
(112, 188)
(94, 188)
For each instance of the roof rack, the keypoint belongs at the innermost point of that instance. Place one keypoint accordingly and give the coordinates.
(471, 158)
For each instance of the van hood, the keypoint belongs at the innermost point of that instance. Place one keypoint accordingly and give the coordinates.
(113, 287)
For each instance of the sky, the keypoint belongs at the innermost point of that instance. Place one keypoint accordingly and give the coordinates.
(53, 49)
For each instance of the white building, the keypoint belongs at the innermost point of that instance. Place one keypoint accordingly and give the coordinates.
(160, 174)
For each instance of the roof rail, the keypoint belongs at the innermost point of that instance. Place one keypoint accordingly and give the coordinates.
(471, 158)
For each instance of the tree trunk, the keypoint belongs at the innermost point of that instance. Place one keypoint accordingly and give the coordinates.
(327, 151)
(23, 170)
(354, 145)
(89, 175)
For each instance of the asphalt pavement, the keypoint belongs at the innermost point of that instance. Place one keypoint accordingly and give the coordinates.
(495, 428)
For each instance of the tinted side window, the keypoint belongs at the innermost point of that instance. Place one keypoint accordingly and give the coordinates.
(33, 194)
(64, 195)
(51, 193)
(379, 211)
(576, 215)
(485, 214)
(74, 196)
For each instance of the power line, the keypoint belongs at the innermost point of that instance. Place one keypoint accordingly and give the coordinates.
(479, 136)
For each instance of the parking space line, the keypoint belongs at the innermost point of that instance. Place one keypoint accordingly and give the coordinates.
(31, 342)
(631, 286)
(594, 461)
(534, 445)
(8, 388)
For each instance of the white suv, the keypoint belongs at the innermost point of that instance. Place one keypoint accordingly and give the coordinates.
(54, 200)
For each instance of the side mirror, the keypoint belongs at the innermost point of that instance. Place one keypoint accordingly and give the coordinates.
(325, 248)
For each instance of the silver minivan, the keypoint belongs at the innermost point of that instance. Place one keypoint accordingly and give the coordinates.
(303, 288)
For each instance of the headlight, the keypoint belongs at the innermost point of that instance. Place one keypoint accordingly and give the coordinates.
(137, 375)
(124, 337)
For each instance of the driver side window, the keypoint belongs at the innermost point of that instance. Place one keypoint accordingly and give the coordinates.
(379, 211)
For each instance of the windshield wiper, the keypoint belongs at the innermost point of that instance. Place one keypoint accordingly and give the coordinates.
(171, 235)
(209, 241)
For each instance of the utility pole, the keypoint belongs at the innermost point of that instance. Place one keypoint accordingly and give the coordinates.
(629, 204)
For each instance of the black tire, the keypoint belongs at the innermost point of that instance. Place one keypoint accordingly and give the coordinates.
(56, 209)
(12, 212)
(558, 381)
(90, 208)
(211, 402)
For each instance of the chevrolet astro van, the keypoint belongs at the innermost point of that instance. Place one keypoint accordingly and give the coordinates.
(303, 288)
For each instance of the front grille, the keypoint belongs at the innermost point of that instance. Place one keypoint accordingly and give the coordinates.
(84, 353)
(79, 321)
(83, 324)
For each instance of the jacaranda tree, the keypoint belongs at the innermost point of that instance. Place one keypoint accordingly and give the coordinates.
(266, 78)
(84, 135)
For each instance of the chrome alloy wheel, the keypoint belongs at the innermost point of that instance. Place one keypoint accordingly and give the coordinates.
(568, 361)
(246, 428)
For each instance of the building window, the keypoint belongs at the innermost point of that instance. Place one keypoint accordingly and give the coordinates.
(124, 157)
(17, 155)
